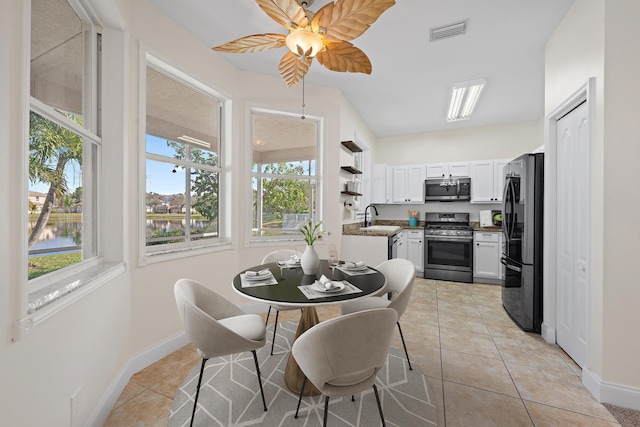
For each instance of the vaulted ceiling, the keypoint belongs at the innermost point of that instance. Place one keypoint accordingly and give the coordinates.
(409, 89)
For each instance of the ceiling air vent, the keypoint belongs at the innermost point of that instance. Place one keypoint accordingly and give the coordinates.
(447, 31)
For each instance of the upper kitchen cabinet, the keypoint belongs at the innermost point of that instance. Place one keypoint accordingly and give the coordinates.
(447, 170)
(380, 180)
(407, 184)
(487, 180)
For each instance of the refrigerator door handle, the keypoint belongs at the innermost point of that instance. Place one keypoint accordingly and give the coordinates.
(510, 266)
(505, 216)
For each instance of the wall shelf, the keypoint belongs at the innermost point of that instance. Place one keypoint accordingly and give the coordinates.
(351, 169)
(351, 193)
(352, 146)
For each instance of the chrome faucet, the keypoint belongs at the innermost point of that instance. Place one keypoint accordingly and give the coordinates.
(365, 214)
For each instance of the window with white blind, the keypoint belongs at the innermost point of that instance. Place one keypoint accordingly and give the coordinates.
(183, 169)
(285, 181)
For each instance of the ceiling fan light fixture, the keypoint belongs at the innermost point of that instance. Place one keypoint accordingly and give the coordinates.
(304, 43)
(464, 97)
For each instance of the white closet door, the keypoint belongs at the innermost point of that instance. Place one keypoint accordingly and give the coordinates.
(573, 231)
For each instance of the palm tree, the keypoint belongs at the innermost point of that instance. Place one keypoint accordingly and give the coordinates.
(51, 148)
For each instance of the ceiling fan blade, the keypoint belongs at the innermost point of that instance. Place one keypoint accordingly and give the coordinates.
(348, 19)
(293, 69)
(254, 43)
(344, 57)
(285, 12)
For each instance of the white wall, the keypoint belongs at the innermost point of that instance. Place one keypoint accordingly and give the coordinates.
(622, 151)
(353, 128)
(481, 143)
(596, 39)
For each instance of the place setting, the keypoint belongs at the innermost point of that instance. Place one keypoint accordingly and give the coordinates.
(263, 277)
(325, 287)
(354, 268)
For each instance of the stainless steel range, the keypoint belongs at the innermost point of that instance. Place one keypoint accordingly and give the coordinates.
(448, 252)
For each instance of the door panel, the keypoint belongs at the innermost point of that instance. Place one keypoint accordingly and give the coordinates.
(572, 275)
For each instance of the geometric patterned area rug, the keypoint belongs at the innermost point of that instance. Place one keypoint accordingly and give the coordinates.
(230, 394)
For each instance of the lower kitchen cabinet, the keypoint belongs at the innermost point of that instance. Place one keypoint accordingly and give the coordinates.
(412, 240)
(487, 250)
(403, 252)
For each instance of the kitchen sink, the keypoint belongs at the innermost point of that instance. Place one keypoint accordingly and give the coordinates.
(380, 228)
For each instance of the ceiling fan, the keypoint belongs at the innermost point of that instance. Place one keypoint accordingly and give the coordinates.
(324, 34)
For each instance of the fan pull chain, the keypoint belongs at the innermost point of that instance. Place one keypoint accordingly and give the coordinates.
(303, 117)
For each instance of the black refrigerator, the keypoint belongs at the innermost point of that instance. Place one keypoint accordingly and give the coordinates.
(522, 212)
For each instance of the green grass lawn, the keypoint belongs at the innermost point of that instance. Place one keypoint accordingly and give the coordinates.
(47, 263)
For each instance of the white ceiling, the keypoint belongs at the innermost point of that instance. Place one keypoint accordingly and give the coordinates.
(409, 89)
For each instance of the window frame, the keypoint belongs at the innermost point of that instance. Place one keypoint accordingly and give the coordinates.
(78, 280)
(296, 238)
(165, 252)
(61, 279)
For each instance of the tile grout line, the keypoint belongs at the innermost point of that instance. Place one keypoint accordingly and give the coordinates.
(504, 363)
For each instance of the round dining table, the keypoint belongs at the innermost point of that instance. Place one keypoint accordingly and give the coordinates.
(287, 293)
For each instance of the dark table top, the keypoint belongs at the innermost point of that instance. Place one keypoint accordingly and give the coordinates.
(286, 292)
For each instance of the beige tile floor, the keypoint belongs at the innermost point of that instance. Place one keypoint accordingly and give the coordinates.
(482, 369)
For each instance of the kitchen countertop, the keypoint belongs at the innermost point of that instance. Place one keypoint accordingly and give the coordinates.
(354, 228)
(491, 228)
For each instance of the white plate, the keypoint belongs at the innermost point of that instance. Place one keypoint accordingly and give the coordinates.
(258, 277)
(356, 268)
(338, 287)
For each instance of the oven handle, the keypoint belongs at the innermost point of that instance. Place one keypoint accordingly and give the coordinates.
(449, 239)
(504, 262)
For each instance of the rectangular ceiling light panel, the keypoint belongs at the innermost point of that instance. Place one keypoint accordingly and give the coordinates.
(464, 97)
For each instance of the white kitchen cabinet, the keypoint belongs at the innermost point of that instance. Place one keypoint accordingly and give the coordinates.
(487, 250)
(407, 184)
(415, 249)
(402, 245)
(380, 191)
(448, 170)
(487, 180)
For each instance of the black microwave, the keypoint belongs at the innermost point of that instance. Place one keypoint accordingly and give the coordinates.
(447, 189)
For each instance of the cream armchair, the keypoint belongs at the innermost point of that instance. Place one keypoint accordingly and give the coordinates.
(400, 275)
(217, 327)
(342, 356)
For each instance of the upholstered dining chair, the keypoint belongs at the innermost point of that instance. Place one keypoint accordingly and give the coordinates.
(217, 327)
(400, 275)
(342, 356)
(273, 257)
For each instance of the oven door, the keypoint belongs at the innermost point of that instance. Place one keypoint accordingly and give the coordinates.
(448, 253)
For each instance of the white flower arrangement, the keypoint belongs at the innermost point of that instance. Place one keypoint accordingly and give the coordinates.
(312, 232)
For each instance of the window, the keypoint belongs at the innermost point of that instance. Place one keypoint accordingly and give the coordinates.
(64, 146)
(183, 128)
(285, 181)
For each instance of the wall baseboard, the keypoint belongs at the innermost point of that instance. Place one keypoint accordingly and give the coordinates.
(133, 365)
(549, 334)
(141, 361)
(614, 394)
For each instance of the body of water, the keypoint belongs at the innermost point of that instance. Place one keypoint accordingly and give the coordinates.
(64, 236)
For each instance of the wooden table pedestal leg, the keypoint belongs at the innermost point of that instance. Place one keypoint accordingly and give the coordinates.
(293, 376)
